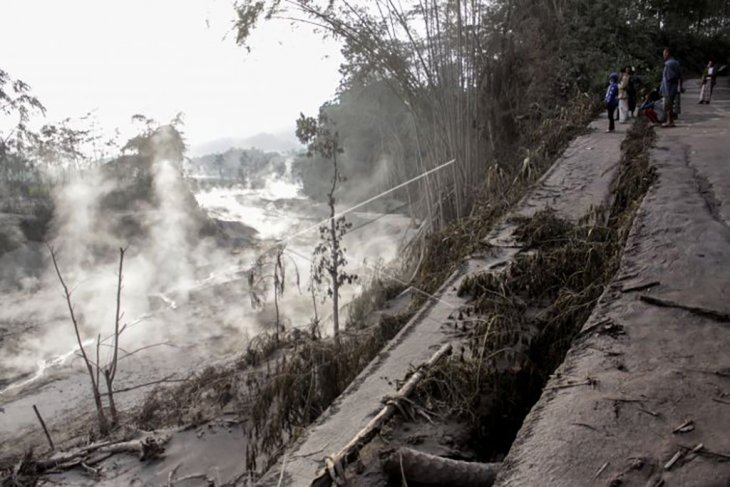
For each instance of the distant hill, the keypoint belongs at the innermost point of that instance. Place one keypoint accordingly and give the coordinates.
(266, 142)
(236, 166)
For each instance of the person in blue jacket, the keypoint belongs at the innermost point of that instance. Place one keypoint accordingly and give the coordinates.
(612, 100)
(671, 83)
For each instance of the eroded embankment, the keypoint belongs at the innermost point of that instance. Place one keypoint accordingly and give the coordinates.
(515, 330)
(656, 345)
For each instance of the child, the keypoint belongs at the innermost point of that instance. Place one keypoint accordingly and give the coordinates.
(612, 100)
(652, 108)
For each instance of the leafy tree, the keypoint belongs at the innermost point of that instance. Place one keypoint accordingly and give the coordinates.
(19, 105)
(329, 255)
(429, 53)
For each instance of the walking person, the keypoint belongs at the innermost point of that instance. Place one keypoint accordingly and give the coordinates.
(611, 100)
(623, 96)
(709, 77)
(670, 85)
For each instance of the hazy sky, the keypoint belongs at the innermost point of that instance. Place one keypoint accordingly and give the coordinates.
(160, 57)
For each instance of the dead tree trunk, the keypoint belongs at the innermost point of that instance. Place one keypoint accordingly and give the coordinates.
(103, 423)
(422, 468)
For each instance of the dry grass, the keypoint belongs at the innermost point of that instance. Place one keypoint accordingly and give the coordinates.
(521, 321)
(274, 389)
(508, 180)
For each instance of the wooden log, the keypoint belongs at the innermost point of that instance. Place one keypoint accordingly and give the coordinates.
(323, 477)
(146, 448)
(422, 468)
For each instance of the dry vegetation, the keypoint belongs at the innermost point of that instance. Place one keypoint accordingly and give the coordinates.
(521, 321)
(506, 183)
(279, 385)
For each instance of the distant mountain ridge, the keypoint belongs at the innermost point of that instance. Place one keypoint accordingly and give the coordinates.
(264, 141)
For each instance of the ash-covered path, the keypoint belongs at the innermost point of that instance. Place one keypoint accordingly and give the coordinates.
(671, 367)
(579, 181)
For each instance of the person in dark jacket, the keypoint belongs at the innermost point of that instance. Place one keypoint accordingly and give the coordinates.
(612, 100)
(671, 78)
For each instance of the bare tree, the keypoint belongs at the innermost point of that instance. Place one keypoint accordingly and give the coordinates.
(270, 267)
(94, 368)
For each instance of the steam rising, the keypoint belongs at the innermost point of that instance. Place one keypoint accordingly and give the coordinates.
(180, 287)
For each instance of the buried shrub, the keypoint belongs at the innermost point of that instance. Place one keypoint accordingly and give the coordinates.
(300, 385)
(522, 320)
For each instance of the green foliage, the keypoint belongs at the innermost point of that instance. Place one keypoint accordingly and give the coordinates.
(377, 134)
(329, 256)
(270, 270)
(18, 104)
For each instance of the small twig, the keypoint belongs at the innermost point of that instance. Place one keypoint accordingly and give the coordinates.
(650, 413)
(171, 475)
(146, 347)
(721, 401)
(674, 459)
(43, 424)
(93, 471)
(621, 399)
(640, 287)
(628, 276)
(704, 312)
(600, 470)
(193, 476)
(587, 382)
(283, 467)
(99, 459)
(164, 380)
(684, 427)
(586, 426)
(704, 451)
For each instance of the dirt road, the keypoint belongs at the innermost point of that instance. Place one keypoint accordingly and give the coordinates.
(659, 409)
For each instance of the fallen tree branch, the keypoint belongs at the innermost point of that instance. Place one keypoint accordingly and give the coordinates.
(146, 448)
(712, 314)
(339, 460)
(425, 469)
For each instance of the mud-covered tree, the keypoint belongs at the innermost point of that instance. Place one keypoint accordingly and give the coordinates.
(322, 140)
(270, 270)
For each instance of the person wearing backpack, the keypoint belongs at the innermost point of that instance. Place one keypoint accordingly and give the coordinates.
(611, 100)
